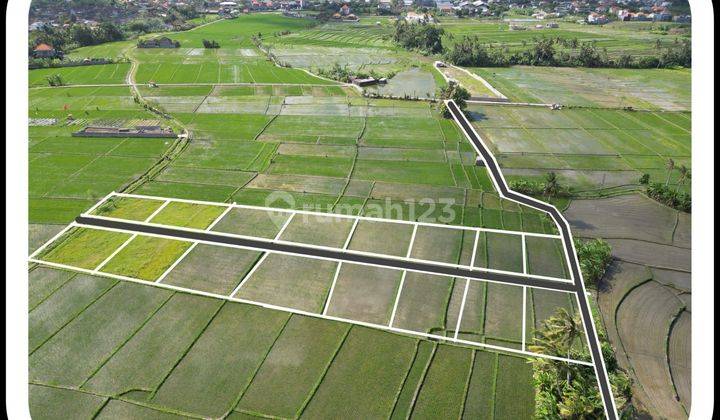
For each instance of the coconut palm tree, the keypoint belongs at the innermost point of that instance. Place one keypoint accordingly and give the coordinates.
(670, 166)
(684, 174)
(551, 184)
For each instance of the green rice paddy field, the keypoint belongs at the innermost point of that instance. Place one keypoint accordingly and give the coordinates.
(588, 148)
(619, 38)
(324, 148)
(166, 355)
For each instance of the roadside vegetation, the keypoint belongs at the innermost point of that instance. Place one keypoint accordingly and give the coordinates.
(471, 51)
(595, 256)
(664, 193)
(570, 391)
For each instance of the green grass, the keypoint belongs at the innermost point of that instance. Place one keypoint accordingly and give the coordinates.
(481, 395)
(46, 402)
(423, 302)
(212, 269)
(104, 74)
(72, 355)
(64, 304)
(371, 236)
(296, 363)
(443, 390)
(290, 281)
(143, 362)
(146, 257)
(84, 248)
(210, 377)
(318, 230)
(190, 215)
(504, 312)
(666, 89)
(365, 376)
(514, 392)
(128, 208)
(364, 293)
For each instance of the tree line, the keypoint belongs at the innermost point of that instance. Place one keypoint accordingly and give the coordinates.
(75, 35)
(472, 51)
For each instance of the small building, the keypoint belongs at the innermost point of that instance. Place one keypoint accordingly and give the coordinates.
(363, 82)
(142, 131)
(46, 51)
(163, 42)
(413, 17)
(597, 19)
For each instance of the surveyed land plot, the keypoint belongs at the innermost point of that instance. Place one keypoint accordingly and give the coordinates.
(461, 310)
(533, 255)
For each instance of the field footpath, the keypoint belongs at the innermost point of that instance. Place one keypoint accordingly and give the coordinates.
(579, 285)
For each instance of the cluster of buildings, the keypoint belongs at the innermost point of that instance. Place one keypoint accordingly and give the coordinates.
(234, 8)
(56, 14)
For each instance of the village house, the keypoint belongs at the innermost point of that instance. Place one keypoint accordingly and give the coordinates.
(595, 18)
(163, 42)
(46, 51)
(412, 17)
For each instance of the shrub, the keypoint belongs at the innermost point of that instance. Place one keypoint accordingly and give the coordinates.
(594, 256)
(645, 179)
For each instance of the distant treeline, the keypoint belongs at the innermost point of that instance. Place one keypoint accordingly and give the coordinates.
(471, 51)
(42, 63)
(75, 35)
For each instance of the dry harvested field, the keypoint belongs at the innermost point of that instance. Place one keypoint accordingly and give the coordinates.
(647, 325)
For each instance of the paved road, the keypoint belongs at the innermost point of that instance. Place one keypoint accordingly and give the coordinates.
(578, 285)
(349, 256)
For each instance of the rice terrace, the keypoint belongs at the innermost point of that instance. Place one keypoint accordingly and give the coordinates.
(376, 209)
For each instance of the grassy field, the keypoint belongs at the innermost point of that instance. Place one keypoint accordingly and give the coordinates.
(620, 38)
(292, 140)
(587, 148)
(653, 89)
(167, 355)
(68, 174)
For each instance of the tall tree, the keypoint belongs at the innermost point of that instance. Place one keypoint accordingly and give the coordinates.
(670, 166)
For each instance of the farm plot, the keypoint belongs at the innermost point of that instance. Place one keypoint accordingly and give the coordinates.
(643, 321)
(68, 173)
(587, 148)
(364, 293)
(469, 81)
(169, 346)
(656, 89)
(289, 281)
(103, 74)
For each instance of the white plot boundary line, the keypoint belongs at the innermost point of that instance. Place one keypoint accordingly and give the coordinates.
(111, 256)
(158, 210)
(332, 288)
(194, 244)
(402, 278)
(350, 235)
(306, 313)
(53, 239)
(462, 309)
(524, 316)
(251, 248)
(610, 412)
(336, 215)
(325, 248)
(249, 274)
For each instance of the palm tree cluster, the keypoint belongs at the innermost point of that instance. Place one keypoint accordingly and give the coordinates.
(569, 390)
(669, 196)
